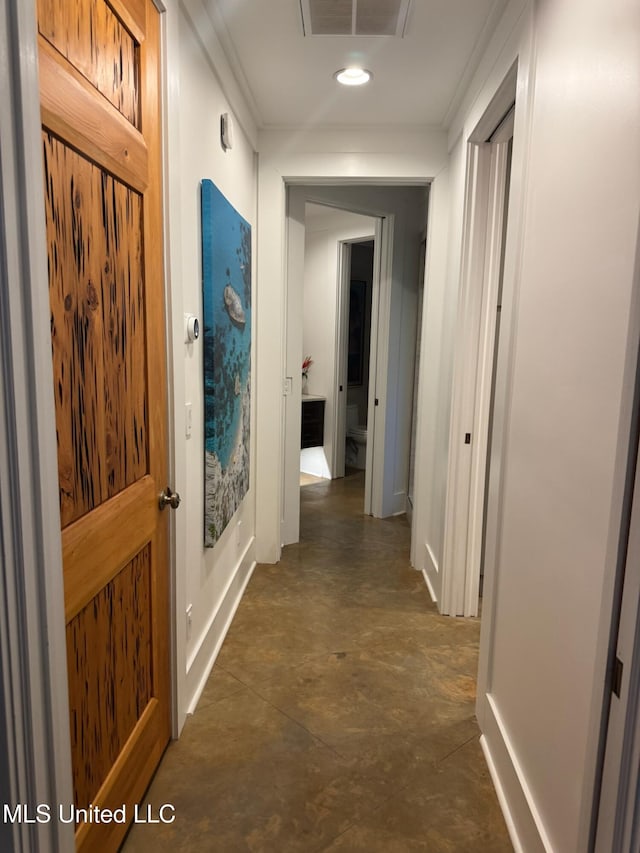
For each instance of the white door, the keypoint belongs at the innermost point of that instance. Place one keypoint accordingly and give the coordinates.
(340, 425)
(378, 351)
(488, 167)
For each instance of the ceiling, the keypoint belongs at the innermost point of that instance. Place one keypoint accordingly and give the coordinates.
(418, 79)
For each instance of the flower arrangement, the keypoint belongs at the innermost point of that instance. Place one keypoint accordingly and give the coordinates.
(306, 364)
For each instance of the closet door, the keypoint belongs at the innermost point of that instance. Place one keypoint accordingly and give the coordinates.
(100, 106)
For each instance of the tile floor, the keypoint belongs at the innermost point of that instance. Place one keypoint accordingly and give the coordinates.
(340, 713)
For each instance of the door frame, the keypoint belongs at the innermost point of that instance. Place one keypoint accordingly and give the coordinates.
(618, 811)
(35, 722)
(342, 338)
(378, 361)
(174, 334)
(296, 196)
(295, 200)
(615, 816)
(483, 237)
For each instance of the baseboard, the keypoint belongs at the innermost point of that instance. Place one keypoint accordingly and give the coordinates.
(431, 565)
(399, 503)
(523, 820)
(203, 657)
(432, 592)
(502, 799)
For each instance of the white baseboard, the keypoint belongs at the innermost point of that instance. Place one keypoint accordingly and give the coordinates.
(202, 659)
(524, 822)
(502, 799)
(399, 503)
(431, 562)
(431, 565)
(432, 592)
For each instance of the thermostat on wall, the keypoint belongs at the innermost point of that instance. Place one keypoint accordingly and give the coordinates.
(192, 328)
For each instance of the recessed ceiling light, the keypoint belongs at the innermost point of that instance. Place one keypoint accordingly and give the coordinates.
(353, 76)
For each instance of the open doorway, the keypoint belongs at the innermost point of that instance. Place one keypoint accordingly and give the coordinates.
(481, 369)
(355, 349)
(397, 217)
(331, 261)
(356, 283)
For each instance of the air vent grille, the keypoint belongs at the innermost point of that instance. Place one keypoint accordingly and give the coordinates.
(354, 17)
(330, 17)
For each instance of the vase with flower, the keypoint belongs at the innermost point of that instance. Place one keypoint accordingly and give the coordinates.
(306, 364)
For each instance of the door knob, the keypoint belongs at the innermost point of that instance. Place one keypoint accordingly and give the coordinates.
(169, 498)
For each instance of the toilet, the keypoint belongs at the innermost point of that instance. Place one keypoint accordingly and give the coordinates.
(356, 450)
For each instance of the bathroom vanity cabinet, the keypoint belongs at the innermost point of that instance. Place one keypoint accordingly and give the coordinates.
(312, 432)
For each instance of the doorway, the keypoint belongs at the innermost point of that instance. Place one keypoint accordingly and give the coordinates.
(501, 136)
(332, 236)
(399, 215)
(479, 383)
(354, 341)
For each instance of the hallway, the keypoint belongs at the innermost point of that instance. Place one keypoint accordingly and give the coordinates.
(340, 712)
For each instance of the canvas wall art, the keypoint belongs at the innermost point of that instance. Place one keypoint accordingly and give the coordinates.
(226, 286)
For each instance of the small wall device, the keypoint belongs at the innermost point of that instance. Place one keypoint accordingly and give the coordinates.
(226, 131)
(192, 328)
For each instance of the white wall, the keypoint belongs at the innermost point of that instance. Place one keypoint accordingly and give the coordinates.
(337, 156)
(569, 274)
(325, 228)
(554, 569)
(211, 581)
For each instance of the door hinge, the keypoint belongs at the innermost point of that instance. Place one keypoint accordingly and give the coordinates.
(467, 438)
(616, 680)
(376, 402)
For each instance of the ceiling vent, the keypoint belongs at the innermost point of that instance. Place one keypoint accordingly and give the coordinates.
(354, 17)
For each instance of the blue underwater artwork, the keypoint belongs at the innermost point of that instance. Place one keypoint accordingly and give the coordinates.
(226, 288)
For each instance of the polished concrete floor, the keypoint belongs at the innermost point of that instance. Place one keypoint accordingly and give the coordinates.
(339, 715)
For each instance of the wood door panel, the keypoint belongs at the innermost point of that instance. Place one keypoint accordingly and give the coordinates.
(110, 673)
(99, 544)
(71, 110)
(103, 211)
(94, 40)
(94, 243)
(133, 14)
(127, 781)
(76, 331)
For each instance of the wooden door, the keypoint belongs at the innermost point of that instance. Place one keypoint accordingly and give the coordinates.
(99, 87)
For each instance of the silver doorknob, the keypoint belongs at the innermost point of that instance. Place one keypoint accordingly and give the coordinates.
(169, 498)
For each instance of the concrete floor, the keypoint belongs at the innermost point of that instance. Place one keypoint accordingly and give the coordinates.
(339, 715)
